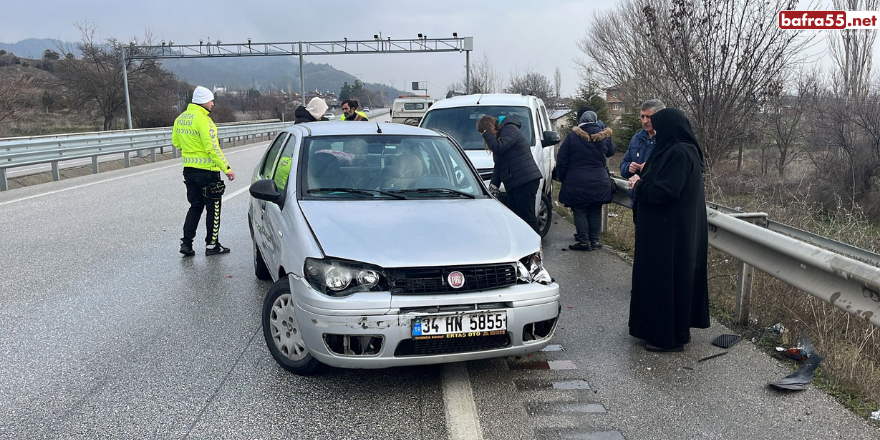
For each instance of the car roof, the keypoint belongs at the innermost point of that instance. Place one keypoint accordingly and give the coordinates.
(484, 99)
(348, 128)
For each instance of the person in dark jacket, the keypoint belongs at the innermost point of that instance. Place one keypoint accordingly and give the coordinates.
(313, 112)
(514, 165)
(641, 145)
(670, 293)
(583, 171)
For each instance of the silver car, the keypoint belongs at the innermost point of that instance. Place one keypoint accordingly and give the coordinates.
(387, 250)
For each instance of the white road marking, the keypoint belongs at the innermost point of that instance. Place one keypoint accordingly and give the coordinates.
(462, 421)
(226, 198)
(122, 177)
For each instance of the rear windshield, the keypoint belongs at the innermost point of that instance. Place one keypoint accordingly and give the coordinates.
(461, 122)
(414, 106)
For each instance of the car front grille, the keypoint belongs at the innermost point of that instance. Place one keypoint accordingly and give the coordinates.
(410, 347)
(424, 280)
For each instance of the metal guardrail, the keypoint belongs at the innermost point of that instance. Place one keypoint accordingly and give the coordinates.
(791, 255)
(16, 152)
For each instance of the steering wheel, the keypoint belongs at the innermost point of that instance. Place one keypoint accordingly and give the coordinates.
(430, 181)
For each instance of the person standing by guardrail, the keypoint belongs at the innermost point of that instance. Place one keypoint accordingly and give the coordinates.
(641, 145)
(670, 293)
(196, 136)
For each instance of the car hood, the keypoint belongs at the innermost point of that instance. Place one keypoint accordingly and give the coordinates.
(481, 159)
(415, 233)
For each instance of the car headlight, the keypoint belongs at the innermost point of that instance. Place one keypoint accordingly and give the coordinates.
(343, 278)
(530, 269)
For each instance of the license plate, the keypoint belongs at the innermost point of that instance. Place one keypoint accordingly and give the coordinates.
(464, 325)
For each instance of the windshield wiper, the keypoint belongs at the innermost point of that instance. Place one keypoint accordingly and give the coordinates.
(369, 192)
(437, 190)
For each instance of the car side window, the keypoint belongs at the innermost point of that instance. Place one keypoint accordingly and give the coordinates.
(272, 155)
(281, 174)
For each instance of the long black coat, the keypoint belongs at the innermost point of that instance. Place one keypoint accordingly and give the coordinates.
(581, 166)
(514, 164)
(670, 291)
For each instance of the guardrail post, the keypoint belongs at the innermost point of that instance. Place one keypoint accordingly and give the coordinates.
(744, 292)
(233, 141)
(604, 227)
(4, 185)
(94, 164)
(153, 155)
(126, 160)
(174, 153)
(56, 174)
(746, 274)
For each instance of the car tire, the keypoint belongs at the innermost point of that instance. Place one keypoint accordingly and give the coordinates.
(260, 268)
(282, 332)
(545, 215)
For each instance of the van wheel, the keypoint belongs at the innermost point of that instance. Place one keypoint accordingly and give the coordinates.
(545, 215)
(283, 333)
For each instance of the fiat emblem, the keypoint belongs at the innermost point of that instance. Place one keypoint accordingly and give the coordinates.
(456, 279)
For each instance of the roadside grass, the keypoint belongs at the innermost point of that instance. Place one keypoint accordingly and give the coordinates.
(849, 345)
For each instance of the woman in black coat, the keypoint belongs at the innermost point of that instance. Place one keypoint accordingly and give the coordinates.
(586, 186)
(514, 165)
(670, 293)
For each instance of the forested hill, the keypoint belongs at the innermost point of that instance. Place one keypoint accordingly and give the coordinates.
(264, 74)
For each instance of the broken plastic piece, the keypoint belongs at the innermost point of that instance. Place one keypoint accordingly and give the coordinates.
(796, 381)
(713, 356)
(796, 353)
(725, 341)
(875, 415)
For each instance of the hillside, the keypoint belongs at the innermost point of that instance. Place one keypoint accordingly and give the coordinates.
(264, 74)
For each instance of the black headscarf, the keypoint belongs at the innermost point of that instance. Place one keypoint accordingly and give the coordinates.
(673, 127)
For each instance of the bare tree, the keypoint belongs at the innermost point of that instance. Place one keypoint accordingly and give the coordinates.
(557, 83)
(16, 95)
(852, 50)
(784, 116)
(484, 78)
(97, 78)
(530, 82)
(713, 60)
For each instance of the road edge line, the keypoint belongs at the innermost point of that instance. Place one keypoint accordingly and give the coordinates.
(462, 421)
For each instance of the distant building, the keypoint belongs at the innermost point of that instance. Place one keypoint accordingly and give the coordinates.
(614, 99)
(558, 118)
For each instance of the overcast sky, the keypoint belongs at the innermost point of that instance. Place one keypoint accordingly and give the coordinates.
(516, 35)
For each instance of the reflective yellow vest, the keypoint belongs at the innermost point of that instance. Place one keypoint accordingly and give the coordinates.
(364, 115)
(195, 135)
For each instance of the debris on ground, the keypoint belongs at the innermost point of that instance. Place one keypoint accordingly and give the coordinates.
(803, 375)
(875, 415)
(713, 356)
(611, 214)
(726, 341)
(796, 353)
(773, 333)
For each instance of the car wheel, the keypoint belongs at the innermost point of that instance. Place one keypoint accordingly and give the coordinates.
(545, 215)
(260, 268)
(282, 331)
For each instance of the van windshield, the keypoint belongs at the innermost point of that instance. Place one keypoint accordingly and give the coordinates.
(461, 122)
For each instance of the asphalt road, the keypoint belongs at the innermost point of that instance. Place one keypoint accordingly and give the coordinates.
(106, 332)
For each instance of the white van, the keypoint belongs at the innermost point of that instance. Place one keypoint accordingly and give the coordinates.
(458, 116)
(410, 109)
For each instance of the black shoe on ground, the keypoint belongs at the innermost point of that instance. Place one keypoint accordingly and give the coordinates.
(187, 249)
(596, 245)
(217, 249)
(656, 349)
(580, 247)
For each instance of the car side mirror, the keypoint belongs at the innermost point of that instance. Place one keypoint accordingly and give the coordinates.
(265, 189)
(550, 138)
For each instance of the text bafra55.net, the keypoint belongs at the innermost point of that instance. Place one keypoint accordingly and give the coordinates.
(827, 20)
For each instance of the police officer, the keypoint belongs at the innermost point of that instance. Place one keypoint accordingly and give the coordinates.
(350, 111)
(196, 136)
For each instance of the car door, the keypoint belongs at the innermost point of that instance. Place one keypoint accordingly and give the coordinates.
(266, 170)
(284, 176)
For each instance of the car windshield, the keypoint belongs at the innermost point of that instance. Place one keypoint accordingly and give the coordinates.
(461, 122)
(385, 166)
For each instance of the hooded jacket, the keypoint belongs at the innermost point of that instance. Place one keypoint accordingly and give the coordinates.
(514, 164)
(582, 167)
(303, 115)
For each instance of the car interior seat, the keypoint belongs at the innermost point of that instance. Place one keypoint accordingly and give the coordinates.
(325, 172)
(402, 170)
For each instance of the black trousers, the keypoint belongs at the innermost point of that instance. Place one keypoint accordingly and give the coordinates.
(521, 200)
(196, 180)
